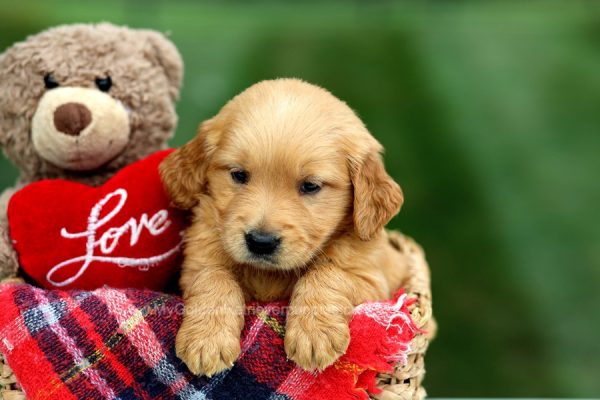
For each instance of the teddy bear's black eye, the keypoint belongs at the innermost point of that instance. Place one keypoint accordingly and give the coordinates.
(104, 84)
(50, 82)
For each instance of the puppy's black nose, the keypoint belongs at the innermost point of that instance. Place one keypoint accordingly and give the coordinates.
(262, 243)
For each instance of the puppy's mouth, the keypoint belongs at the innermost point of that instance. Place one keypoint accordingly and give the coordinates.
(263, 261)
(268, 254)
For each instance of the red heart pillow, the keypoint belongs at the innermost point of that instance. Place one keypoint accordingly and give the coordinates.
(122, 234)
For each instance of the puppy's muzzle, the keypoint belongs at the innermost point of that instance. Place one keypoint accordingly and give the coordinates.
(261, 243)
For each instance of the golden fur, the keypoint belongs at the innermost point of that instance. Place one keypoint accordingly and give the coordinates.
(334, 252)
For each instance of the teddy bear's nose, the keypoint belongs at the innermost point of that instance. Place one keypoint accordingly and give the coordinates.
(72, 118)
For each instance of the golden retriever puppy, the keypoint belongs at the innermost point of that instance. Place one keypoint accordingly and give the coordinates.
(289, 198)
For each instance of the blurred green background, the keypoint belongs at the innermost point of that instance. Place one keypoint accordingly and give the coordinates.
(490, 114)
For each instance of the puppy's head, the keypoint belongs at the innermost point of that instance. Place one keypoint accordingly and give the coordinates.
(288, 166)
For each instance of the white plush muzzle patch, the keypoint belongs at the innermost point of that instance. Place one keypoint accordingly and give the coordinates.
(79, 129)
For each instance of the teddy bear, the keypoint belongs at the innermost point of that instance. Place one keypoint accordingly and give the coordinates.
(81, 102)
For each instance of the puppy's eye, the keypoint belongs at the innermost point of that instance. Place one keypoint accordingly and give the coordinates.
(50, 82)
(308, 187)
(104, 84)
(239, 176)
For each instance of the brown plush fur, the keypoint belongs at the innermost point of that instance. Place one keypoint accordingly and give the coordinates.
(333, 254)
(146, 72)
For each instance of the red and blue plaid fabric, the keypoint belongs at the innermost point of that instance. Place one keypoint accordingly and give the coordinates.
(119, 344)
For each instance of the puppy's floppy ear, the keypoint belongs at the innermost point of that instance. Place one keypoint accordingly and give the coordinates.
(183, 172)
(377, 198)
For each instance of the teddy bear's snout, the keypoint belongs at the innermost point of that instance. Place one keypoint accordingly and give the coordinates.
(72, 118)
(79, 129)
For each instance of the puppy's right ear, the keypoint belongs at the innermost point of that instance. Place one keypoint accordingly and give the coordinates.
(183, 172)
(377, 198)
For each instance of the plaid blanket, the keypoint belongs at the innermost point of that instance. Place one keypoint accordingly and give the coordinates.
(119, 344)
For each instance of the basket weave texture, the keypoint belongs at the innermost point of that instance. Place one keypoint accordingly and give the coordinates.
(404, 383)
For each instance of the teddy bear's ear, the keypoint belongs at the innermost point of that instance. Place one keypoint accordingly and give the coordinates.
(6, 90)
(164, 53)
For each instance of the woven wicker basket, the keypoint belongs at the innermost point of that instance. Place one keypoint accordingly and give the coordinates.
(405, 383)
